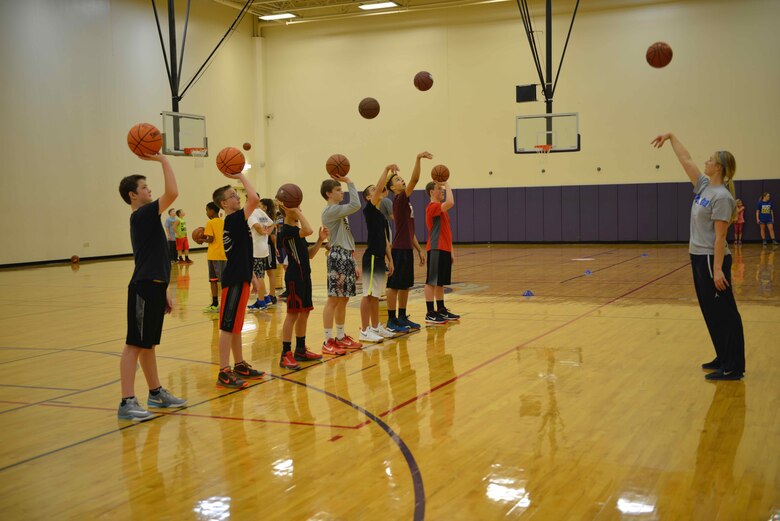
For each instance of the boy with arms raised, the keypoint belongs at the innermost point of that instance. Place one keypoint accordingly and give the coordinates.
(342, 269)
(377, 260)
(439, 247)
(147, 298)
(403, 275)
(235, 282)
(297, 279)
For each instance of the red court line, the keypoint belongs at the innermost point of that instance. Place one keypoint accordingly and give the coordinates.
(524, 344)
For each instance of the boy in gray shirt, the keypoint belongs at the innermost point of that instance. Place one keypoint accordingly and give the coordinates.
(341, 265)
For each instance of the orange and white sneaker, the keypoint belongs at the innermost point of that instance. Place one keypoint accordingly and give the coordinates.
(347, 342)
(288, 361)
(331, 348)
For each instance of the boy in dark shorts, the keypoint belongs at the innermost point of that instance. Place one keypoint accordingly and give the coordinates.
(403, 276)
(235, 282)
(377, 260)
(440, 251)
(215, 257)
(147, 298)
(297, 279)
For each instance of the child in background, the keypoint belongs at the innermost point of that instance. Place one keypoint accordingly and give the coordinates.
(261, 226)
(170, 232)
(215, 257)
(765, 217)
(268, 206)
(182, 244)
(739, 222)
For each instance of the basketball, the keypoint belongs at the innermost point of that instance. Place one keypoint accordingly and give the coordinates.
(247, 145)
(423, 80)
(74, 259)
(659, 54)
(337, 165)
(144, 139)
(197, 234)
(368, 108)
(230, 161)
(290, 195)
(440, 173)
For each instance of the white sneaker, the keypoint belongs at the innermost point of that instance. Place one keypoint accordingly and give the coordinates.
(382, 331)
(369, 336)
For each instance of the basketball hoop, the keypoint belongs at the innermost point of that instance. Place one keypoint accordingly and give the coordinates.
(198, 153)
(543, 149)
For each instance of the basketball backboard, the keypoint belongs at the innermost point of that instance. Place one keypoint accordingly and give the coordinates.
(560, 131)
(182, 133)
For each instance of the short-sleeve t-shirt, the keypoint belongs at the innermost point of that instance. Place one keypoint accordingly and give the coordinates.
(376, 224)
(710, 204)
(404, 227)
(260, 248)
(764, 211)
(170, 228)
(238, 248)
(297, 248)
(439, 231)
(150, 245)
(180, 228)
(214, 228)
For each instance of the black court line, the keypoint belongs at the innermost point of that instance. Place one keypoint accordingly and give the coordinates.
(414, 469)
(39, 387)
(112, 382)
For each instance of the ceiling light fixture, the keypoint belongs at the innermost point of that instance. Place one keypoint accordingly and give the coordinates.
(378, 5)
(280, 16)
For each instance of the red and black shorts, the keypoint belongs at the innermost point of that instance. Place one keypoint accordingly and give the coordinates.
(439, 268)
(232, 307)
(146, 304)
(299, 295)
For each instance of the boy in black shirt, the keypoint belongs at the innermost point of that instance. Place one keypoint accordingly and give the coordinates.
(147, 298)
(297, 278)
(235, 282)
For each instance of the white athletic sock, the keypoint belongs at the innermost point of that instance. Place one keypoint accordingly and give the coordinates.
(328, 334)
(339, 331)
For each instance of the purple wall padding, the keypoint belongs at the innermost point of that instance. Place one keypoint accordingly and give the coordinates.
(655, 212)
(647, 212)
(464, 207)
(627, 212)
(667, 212)
(482, 211)
(684, 201)
(516, 210)
(589, 213)
(553, 213)
(499, 214)
(608, 213)
(534, 214)
(570, 216)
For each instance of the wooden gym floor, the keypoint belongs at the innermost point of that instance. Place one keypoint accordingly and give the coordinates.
(584, 401)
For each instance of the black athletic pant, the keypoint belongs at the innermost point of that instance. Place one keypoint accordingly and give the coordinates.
(720, 313)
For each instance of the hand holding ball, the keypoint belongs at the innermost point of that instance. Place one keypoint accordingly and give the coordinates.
(197, 234)
(230, 161)
(337, 166)
(290, 195)
(144, 139)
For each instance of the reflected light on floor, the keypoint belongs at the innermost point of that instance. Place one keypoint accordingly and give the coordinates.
(283, 467)
(249, 325)
(507, 489)
(213, 509)
(635, 505)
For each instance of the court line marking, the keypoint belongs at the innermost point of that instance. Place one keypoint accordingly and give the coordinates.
(524, 344)
(604, 268)
(411, 463)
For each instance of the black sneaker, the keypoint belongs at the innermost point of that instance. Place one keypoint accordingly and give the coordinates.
(244, 370)
(434, 318)
(724, 375)
(449, 315)
(284, 295)
(714, 365)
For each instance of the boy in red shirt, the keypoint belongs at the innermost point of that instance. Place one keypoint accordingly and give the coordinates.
(440, 251)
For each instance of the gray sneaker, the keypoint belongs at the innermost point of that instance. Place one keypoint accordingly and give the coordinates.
(131, 410)
(164, 399)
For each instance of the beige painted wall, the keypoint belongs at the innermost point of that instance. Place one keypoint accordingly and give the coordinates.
(720, 91)
(77, 74)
